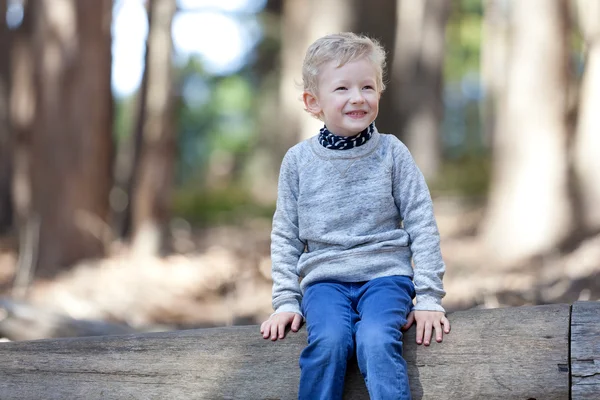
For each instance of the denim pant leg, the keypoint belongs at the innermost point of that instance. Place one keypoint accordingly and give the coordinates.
(383, 307)
(329, 320)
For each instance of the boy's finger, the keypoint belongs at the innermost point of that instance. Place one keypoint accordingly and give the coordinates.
(281, 330)
(273, 331)
(296, 322)
(427, 337)
(265, 329)
(438, 331)
(446, 324)
(420, 329)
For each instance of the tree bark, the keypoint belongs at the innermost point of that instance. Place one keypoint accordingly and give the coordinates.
(71, 144)
(587, 141)
(527, 358)
(5, 129)
(529, 212)
(417, 78)
(153, 177)
(585, 342)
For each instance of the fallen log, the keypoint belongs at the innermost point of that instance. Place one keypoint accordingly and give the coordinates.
(509, 353)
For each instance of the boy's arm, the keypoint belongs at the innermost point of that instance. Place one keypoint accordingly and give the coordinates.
(416, 209)
(286, 246)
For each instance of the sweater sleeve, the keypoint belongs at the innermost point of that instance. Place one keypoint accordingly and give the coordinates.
(413, 200)
(286, 246)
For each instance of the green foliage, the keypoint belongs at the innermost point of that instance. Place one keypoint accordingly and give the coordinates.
(233, 98)
(228, 205)
(469, 175)
(124, 118)
(214, 114)
(463, 39)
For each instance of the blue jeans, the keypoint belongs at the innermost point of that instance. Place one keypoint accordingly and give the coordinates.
(363, 317)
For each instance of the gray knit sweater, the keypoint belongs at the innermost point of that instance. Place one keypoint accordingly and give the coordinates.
(352, 216)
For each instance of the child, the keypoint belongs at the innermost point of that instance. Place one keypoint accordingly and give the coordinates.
(353, 210)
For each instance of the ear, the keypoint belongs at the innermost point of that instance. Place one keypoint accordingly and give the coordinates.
(311, 103)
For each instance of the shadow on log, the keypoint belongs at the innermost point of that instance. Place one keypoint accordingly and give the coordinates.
(509, 353)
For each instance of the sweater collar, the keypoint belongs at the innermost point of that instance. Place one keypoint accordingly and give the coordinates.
(355, 152)
(332, 141)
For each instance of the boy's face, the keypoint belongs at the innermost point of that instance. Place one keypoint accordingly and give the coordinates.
(347, 98)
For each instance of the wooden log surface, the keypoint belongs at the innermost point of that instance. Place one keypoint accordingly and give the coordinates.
(509, 353)
(585, 350)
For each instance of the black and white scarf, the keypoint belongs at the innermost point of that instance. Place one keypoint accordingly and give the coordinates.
(335, 142)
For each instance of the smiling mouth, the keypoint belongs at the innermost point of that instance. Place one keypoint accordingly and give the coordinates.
(356, 114)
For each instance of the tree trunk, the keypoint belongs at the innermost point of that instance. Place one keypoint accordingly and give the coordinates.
(153, 177)
(417, 78)
(5, 129)
(494, 62)
(528, 212)
(23, 104)
(71, 146)
(587, 142)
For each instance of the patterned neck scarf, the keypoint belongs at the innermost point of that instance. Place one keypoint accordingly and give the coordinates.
(335, 142)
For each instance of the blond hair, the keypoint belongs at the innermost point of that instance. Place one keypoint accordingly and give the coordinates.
(341, 48)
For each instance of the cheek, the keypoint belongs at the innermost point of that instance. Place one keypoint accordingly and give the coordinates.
(374, 105)
(336, 104)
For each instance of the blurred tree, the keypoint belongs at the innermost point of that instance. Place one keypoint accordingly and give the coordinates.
(587, 141)
(155, 136)
(529, 212)
(494, 55)
(417, 79)
(269, 145)
(71, 140)
(5, 130)
(22, 114)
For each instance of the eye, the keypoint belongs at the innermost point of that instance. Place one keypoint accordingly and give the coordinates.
(369, 87)
(340, 88)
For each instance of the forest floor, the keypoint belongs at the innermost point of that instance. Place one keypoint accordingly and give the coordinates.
(221, 276)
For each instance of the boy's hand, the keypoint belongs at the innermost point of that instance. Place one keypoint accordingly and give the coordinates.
(276, 324)
(426, 321)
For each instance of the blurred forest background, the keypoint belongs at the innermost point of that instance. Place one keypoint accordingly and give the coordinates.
(140, 144)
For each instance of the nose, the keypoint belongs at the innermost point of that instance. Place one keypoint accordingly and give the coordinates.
(357, 97)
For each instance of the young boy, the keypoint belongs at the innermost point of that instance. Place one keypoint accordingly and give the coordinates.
(353, 210)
